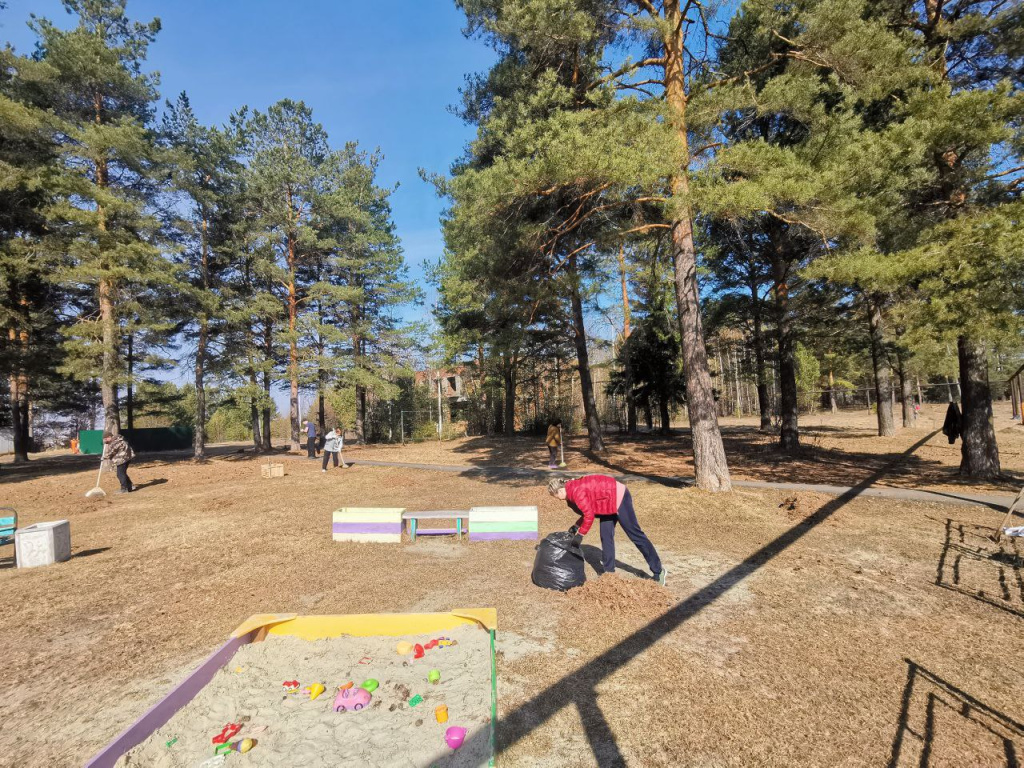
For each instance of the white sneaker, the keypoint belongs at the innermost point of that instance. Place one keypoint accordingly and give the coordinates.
(323, 470)
(662, 576)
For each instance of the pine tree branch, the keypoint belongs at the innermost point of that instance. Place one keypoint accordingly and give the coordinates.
(628, 69)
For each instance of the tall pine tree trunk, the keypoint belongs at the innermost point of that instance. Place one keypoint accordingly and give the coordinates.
(979, 453)
(789, 437)
(583, 361)
(199, 437)
(627, 347)
(129, 400)
(360, 413)
(711, 467)
(321, 415)
(832, 392)
(508, 371)
(882, 371)
(268, 352)
(663, 412)
(764, 405)
(293, 343)
(906, 392)
(108, 378)
(18, 384)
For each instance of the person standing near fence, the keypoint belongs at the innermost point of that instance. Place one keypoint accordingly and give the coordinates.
(117, 451)
(332, 446)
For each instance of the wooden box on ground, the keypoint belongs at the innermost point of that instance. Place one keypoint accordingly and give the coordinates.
(368, 524)
(272, 470)
(489, 523)
(43, 544)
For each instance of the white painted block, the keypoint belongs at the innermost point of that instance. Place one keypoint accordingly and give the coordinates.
(43, 544)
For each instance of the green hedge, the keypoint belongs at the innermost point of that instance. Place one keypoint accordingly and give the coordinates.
(141, 440)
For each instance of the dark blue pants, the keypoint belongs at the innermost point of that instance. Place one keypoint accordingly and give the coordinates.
(627, 519)
(311, 447)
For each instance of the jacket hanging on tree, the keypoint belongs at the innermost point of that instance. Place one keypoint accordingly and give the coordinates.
(951, 426)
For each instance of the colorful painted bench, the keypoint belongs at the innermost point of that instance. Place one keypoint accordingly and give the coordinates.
(382, 525)
(413, 518)
(490, 523)
(8, 524)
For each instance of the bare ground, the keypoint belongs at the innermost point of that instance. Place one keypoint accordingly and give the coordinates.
(819, 632)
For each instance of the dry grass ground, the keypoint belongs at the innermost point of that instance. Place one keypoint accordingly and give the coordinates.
(840, 449)
(821, 633)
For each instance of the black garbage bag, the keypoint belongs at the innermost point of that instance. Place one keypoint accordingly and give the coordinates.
(558, 565)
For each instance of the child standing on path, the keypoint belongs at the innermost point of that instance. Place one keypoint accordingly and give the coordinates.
(332, 446)
(553, 441)
(608, 499)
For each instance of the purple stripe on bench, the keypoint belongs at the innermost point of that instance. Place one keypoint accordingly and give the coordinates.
(366, 527)
(492, 535)
(163, 710)
(436, 531)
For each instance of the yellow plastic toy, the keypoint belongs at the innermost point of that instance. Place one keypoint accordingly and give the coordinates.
(403, 648)
(315, 690)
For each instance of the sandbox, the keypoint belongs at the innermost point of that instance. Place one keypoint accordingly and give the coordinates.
(260, 681)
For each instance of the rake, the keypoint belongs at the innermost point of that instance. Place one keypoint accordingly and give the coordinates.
(97, 492)
(1009, 513)
(561, 450)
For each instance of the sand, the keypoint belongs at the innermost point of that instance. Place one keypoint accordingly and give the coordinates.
(291, 729)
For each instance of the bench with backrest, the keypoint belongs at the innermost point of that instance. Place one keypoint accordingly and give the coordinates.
(413, 519)
(8, 524)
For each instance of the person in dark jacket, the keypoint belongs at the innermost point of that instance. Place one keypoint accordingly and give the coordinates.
(117, 451)
(610, 501)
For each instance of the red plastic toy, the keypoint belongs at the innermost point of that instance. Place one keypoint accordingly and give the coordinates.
(229, 730)
(290, 683)
(417, 651)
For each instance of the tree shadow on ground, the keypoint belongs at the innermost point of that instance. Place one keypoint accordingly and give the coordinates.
(149, 483)
(751, 454)
(939, 720)
(579, 688)
(973, 565)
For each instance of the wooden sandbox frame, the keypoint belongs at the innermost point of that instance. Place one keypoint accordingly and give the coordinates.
(256, 628)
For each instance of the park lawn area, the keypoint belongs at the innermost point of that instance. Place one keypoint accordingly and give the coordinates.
(836, 449)
(796, 629)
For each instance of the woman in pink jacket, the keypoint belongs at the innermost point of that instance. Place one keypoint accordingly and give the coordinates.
(609, 500)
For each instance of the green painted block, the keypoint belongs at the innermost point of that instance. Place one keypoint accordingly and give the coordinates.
(503, 526)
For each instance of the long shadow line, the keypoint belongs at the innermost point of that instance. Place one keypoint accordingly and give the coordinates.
(579, 688)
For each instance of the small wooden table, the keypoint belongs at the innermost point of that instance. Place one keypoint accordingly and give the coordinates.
(413, 518)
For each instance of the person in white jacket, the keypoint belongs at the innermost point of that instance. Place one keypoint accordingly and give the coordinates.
(333, 444)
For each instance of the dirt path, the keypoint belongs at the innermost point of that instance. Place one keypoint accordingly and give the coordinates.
(804, 629)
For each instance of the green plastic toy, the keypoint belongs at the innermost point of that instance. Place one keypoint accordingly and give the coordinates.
(434, 677)
(369, 685)
(415, 700)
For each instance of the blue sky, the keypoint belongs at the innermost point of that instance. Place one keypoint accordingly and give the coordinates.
(379, 73)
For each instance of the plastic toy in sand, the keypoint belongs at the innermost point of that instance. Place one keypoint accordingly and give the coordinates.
(242, 745)
(454, 736)
(417, 699)
(433, 677)
(370, 685)
(229, 730)
(403, 648)
(441, 713)
(351, 700)
(315, 690)
(417, 651)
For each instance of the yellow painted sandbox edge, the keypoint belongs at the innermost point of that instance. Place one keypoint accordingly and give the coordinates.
(367, 624)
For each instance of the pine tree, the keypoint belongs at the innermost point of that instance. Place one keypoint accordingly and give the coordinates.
(204, 171)
(109, 156)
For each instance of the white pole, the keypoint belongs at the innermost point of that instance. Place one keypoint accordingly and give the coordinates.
(438, 405)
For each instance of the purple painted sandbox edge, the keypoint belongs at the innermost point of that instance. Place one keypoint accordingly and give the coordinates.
(491, 536)
(165, 709)
(366, 527)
